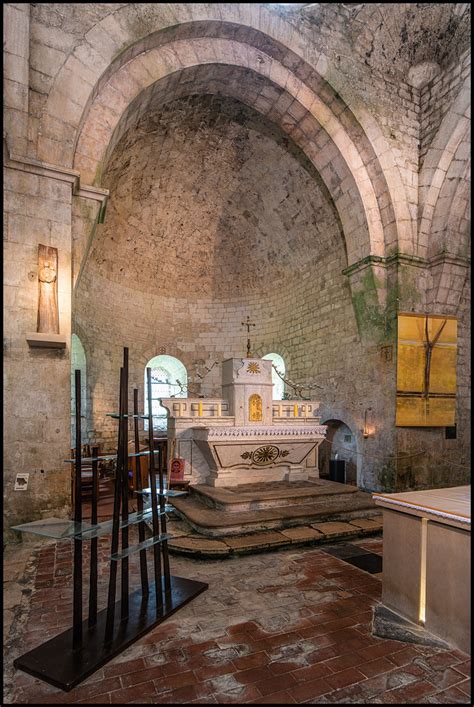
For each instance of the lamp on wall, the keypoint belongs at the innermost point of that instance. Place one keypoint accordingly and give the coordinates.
(366, 431)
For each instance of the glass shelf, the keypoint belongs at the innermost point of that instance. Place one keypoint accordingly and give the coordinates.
(171, 493)
(106, 526)
(116, 416)
(141, 546)
(58, 528)
(108, 457)
(64, 529)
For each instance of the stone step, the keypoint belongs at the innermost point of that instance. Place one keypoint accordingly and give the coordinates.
(250, 497)
(212, 522)
(202, 547)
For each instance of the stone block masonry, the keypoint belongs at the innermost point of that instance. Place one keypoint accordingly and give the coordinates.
(279, 162)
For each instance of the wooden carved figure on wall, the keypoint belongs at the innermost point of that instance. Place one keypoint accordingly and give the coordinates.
(48, 314)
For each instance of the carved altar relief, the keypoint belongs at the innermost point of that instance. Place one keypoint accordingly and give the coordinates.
(255, 408)
(48, 314)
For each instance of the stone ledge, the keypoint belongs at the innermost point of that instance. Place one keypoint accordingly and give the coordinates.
(301, 533)
(335, 528)
(46, 341)
(256, 540)
(367, 523)
(202, 547)
(387, 624)
(198, 546)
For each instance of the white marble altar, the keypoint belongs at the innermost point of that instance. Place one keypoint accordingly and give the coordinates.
(245, 436)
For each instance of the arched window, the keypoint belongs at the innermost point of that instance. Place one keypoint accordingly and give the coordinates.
(278, 384)
(166, 371)
(78, 361)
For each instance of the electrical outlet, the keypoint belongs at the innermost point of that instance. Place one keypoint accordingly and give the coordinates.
(21, 482)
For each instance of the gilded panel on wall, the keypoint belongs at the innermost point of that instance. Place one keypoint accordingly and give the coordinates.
(426, 370)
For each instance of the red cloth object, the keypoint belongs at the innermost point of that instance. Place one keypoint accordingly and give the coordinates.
(177, 469)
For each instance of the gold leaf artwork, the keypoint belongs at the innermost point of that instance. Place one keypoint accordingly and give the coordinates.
(255, 408)
(426, 371)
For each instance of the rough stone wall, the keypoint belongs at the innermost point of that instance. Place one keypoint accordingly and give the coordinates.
(437, 97)
(327, 321)
(37, 394)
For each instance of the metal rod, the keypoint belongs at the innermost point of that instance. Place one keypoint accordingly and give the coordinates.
(109, 626)
(94, 541)
(138, 487)
(77, 577)
(154, 507)
(164, 545)
(124, 422)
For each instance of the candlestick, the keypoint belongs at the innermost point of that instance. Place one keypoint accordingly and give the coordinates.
(295, 410)
(200, 410)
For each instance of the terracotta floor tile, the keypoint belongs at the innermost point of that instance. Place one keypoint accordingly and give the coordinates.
(276, 698)
(445, 678)
(309, 690)
(375, 667)
(253, 675)
(453, 695)
(409, 693)
(349, 660)
(275, 684)
(254, 660)
(345, 677)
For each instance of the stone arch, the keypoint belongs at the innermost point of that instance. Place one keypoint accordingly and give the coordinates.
(111, 103)
(453, 132)
(337, 424)
(169, 367)
(451, 218)
(278, 385)
(259, 43)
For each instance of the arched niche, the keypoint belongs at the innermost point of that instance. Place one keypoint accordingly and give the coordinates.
(169, 378)
(341, 444)
(278, 384)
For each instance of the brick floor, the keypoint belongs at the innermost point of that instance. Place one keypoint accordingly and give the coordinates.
(278, 628)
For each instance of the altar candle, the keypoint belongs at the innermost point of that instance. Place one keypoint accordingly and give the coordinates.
(219, 410)
(295, 410)
(200, 410)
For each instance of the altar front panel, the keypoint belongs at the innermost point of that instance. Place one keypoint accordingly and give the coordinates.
(258, 455)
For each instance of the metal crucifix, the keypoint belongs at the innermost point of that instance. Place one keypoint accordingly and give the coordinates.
(248, 324)
(429, 345)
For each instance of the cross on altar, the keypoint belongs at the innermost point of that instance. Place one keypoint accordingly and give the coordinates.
(248, 324)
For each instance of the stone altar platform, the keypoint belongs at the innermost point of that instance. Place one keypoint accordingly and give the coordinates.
(255, 517)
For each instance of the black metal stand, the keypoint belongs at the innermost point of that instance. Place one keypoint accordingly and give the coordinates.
(69, 658)
(55, 662)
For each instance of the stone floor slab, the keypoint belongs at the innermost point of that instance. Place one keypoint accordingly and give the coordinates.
(337, 529)
(197, 545)
(367, 523)
(256, 540)
(301, 533)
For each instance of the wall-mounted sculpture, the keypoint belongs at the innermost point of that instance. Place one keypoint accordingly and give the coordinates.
(48, 313)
